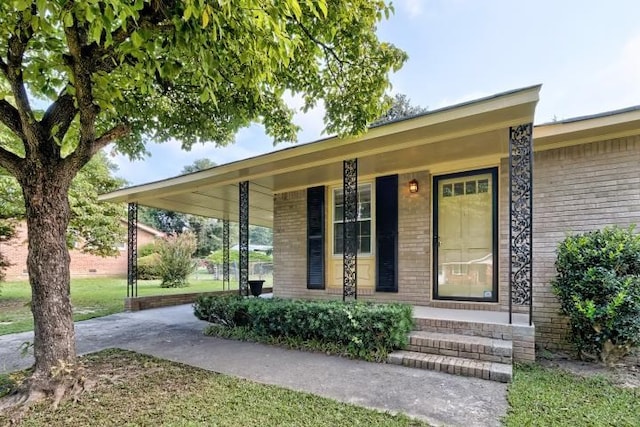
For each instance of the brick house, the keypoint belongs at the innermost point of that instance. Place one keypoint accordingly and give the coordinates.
(457, 211)
(82, 264)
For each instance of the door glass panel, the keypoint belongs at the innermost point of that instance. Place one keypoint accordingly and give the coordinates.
(465, 237)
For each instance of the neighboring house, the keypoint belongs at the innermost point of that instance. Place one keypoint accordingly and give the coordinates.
(440, 209)
(82, 264)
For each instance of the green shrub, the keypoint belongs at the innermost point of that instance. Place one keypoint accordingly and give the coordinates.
(229, 310)
(598, 285)
(146, 250)
(364, 330)
(148, 267)
(175, 259)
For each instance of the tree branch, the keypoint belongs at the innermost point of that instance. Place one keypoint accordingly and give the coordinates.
(80, 157)
(11, 162)
(116, 132)
(82, 68)
(60, 113)
(84, 60)
(328, 50)
(10, 117)
(16, 47)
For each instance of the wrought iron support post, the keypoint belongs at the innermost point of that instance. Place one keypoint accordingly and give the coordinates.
(225, 255)
(350, 229)
(521, 218)
(244, 238)
(132, 250)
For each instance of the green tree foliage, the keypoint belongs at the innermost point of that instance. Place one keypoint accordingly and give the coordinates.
(123, 72)
(195, 70)
(166, 221)
(598, 285)
(175, 262)
(234, 256)
(401, 108)
(198, 165)
(208, 233)
(260, 236)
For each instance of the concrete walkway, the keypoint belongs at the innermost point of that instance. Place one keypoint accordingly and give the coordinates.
(173, 333)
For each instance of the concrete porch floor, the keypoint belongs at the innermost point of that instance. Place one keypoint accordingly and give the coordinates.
(479, 316)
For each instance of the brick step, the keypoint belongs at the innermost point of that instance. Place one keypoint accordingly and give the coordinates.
(464, 327)
(467, 346)
(453, 365)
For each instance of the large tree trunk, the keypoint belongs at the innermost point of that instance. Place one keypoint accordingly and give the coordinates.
(47, 207)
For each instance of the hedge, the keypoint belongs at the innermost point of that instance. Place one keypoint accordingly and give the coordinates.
(598, 285)
(363, 330)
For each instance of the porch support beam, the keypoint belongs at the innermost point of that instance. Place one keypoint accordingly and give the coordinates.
(132, 250)
(244, 237)
(225, 255)
(350, 229)
(521, 218)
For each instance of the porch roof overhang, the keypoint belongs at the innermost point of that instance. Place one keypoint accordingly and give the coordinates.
(472, 130)
(585, 129)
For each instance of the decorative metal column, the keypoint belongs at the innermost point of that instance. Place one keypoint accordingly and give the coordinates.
(225, 255)
(244, 238)
(520, 218)
(350, 229)
(132, 250)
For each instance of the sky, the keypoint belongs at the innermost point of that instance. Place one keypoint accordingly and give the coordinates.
(586, 54)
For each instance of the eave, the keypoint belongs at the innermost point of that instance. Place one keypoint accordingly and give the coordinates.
(465, 131)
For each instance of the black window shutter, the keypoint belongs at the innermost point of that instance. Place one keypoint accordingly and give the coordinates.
(315, 237)
(387, 233)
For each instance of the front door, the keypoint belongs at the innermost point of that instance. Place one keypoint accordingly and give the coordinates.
(465, 238)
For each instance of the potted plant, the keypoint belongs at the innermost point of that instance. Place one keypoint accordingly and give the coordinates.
(256, 287)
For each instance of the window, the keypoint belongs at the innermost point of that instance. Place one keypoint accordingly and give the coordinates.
(462, 188)
(364, 220)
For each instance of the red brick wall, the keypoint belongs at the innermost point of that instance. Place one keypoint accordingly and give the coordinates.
(82, 264)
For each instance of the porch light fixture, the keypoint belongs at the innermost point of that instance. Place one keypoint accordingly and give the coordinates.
(413, 186)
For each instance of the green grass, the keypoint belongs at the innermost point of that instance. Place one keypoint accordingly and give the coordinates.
(92, 297)
(551, 397)
(138, 390)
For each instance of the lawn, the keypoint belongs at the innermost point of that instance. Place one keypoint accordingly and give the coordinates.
(133, 389)
(92, 297)
(551, 397)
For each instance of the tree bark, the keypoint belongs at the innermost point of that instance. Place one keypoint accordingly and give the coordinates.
(45, 189)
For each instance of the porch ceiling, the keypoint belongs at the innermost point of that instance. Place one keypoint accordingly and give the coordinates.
(470, 130)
